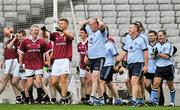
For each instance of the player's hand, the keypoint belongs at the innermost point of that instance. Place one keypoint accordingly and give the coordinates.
(85, 59)
(145, 69)
(156, 52)
(77, 70)
(21, 69)
(118, 68)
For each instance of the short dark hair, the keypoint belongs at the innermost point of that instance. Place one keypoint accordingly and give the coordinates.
(154, 32)
(163, 31)
(64, 19)
(83, 28)
(23, 32)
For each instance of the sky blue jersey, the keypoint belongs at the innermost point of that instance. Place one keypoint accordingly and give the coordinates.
(96, 43)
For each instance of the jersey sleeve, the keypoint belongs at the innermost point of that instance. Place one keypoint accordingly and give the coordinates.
(113, 49)
(52, 36)
(47, 47)
(168, 50)
(22, 47)
(88, 29)
(144, 44)
(125, 48)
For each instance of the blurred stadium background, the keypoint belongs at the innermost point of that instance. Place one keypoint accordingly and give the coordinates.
(116, 14)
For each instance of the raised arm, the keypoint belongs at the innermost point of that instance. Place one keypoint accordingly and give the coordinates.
(70, 35)
(10, 45)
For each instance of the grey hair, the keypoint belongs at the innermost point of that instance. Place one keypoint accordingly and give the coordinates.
(33, 26)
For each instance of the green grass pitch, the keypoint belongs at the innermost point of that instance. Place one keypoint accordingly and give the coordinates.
(78, 107)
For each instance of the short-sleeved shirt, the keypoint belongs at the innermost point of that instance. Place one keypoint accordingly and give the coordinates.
(96, 43)
(127, 38)
(62, 47)
(135, 48)
(11, 53)
(151, 60)
(110, 52)
(82, 48)
(33, 52)
(165, 48)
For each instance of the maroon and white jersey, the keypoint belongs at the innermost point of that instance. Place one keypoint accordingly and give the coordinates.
(11, 53)
(82, 50)
(62, 47)
(33, 52)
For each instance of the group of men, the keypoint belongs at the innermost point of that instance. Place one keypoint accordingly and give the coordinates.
(44, 58)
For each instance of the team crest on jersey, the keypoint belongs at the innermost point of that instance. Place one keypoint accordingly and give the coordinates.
(131, 47)
(91, 39)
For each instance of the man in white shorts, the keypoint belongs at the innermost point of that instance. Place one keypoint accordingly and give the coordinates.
(85, 76)
(62, 56)
(31, 52)
(17, 76)
(10, 60)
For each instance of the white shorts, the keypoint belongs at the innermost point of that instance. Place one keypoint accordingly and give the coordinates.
(17, 74)
(33, 72)
(10, 66)
(60, 67)
(82, 73)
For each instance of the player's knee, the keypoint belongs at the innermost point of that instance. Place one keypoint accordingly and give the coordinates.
(14, 83)
(156, 84)
(54, 82)
(63, 81)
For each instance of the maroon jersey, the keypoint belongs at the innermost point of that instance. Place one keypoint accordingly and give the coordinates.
(62, 47)
(82, 49)
(11, 53)
(33, 52)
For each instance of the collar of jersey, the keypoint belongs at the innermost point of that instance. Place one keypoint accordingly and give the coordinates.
(30, 37)
(84, 41)
(152, 45)
(136, 36)
(164, 42)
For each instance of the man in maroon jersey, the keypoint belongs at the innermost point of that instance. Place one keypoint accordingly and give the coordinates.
(10, 60)
(85, 76)
(32, 50)
(19, 79)
(62, 55)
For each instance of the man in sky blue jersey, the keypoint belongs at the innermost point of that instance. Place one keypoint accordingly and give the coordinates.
(125, 40)
(108, 71)
(136, 49)
(151, 61)
(164, 65)
(97, 36)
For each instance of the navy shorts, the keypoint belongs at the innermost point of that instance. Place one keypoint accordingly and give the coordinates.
(166, 72)
(135, 69)
(107, 73)
(96, 64)
(149, 76)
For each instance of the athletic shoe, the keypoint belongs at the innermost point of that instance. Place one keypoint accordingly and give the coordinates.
(69, 97)
(117, 101)
(101, 101)
(63, 101)
(131, 103)
(93, 101)
(18, 102)
(171, 105)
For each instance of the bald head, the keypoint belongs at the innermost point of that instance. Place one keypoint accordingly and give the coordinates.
(94, 24)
